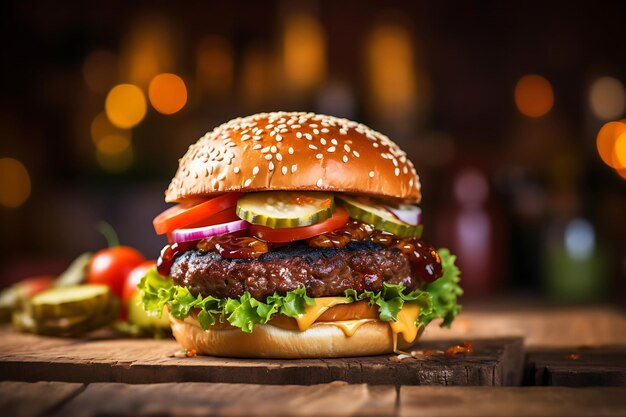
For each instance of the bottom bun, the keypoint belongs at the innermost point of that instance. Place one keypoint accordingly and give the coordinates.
(321, 340)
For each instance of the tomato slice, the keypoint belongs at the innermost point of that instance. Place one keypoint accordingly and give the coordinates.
(290, 234)
(184, 214)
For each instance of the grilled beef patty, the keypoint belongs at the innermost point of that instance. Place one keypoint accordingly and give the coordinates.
(324, 272)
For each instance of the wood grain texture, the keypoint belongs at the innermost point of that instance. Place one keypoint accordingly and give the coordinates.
(190, 399)
(494, 362)
(578, 367)
(25, 399)
(539, 326)
(509, 401)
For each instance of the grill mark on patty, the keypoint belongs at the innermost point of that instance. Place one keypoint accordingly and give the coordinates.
(324, 272)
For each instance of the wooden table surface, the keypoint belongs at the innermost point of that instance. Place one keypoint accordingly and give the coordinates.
(565, 349)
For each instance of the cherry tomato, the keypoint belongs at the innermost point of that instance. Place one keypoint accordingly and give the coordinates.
(133, 278)
(111, 266)
(290, 234)
(184, 214)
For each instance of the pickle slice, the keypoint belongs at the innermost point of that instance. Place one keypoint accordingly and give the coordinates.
(281, 209)
(63, 302)
(67, 326)
(365, 210)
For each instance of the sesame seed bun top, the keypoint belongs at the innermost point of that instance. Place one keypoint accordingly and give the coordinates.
(294, 151)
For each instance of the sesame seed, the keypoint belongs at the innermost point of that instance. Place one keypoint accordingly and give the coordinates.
(255, 170)
(272, 133)
(273, 149)
(269, 156)
(245, 138)
(284, 170)
(257, 146)
(290, 150)
(324, 130)
(236, 170)
(345, 158)
(319, 156)
(395, 161)
(319, 182)
(256, 137)
(279, 138)
(334, 141)
(405, 170)
(248, 182)
(375, 144)
(299, 135)
(371, 174)
(315, 131)
(311, 146)
(269, 126)
(331, 149)
(296, 126)
(231, 144)
(284, 130)
(279, 156)
(266, 149)
(313, 125)
(323, 141)
(347, 148)
(397, 172)
(294, 167)
(355, 153)
(343, 131)
(271, 166)
(221, 177)
(308, 136)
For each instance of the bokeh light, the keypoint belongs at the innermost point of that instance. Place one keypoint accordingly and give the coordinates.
(256, 76)
(102, 127)
(533, 95)
(15, 184)
(391, 69)
(101, 71)
(113, 144)
(115, 162)
(149, 48)
(606, 141)
(215, 64)
(607, 98)
(304, 51)
(125, 105)
(619, 152)
(167, 93)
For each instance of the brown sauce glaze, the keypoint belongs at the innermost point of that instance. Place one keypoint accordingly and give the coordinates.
(424, 258)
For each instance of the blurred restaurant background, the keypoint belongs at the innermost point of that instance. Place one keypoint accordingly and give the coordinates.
(513, 113)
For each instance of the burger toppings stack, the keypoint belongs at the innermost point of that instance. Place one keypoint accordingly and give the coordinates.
(297, 235)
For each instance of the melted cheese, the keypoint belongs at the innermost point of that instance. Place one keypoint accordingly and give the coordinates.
(350, 326)
(406, 322)
(312, 313)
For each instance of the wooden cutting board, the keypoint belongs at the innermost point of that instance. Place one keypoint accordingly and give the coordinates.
(24, 357)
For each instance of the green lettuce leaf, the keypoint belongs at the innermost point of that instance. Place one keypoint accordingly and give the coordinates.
(436, 300)
(443, 292)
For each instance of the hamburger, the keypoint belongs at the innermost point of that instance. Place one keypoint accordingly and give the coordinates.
(297, 235)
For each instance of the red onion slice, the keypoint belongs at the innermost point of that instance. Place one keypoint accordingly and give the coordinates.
(197, 233)
(407, 213)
